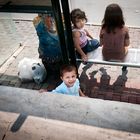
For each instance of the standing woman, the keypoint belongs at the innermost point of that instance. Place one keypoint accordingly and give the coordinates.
(49, 46)
(114, 35)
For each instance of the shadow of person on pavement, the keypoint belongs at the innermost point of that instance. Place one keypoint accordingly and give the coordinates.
(105, 79)
(119, 84)
(87, 82)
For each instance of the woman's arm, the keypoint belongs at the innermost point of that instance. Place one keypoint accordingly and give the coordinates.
(127, 38)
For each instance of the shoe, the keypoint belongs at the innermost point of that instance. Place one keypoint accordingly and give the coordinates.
(124, 68)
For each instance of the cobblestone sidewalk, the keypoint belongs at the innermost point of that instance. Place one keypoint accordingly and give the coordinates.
(27, 44)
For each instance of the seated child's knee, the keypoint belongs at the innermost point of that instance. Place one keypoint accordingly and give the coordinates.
(96, 43)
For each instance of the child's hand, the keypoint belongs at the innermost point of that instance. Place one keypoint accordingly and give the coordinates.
(84, 96)
(42, 90)
(84, 58)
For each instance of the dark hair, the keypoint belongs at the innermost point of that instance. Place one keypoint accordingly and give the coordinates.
(113, 18)
(77, 14)
(67, 68)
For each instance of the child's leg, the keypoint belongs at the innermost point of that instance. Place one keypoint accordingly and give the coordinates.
(52, 68)
(92, 45)
(124, 68)
(95, 43)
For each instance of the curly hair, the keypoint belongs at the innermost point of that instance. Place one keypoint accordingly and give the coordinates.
(77, 14)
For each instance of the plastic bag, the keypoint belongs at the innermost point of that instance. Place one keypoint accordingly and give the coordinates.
(31, 70)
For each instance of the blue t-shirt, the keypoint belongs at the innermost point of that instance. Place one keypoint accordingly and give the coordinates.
(63, 89)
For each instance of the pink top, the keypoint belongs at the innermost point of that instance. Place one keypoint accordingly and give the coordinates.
(114, 43)
(83, 37)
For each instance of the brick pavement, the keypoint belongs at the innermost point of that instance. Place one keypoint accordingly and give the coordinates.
(92, 80)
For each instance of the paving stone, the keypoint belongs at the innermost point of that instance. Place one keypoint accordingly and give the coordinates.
(90, 74)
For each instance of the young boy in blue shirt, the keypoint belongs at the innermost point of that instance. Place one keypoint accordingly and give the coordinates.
(70, 84)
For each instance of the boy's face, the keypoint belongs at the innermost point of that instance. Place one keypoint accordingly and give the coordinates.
(69, 78)
(79, 23)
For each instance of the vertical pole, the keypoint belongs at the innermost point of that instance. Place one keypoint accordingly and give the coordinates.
(60, 29)
(69, 40)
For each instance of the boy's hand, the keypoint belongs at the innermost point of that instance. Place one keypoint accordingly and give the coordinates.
(83, 95)
(42, 90)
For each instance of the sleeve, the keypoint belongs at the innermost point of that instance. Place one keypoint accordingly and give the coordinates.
(127, 39)
(60, 89)
(78, 83)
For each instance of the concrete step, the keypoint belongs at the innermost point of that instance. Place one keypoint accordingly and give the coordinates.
(35, 128)
(93, 112)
